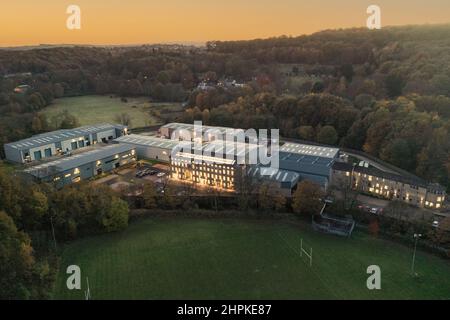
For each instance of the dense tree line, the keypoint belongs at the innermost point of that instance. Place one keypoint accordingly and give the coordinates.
(36, 219)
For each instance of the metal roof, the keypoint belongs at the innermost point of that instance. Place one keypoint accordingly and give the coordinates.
(272, 174)
(183, 156)
(226, 149)
(229, 148)
(150, 141)
(305, 164)
(310, 150)
(213, 130)
(61, 135)
(80, 159)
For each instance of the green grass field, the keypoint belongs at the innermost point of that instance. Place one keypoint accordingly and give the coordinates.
(97, 109)
(231, 259)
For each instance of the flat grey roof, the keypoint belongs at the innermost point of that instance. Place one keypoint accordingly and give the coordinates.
(229, 148)
(210, 129)
(309, 150)
(150, 141)
(61, 135)
(80, 159)
(180, 156)
(272, 174)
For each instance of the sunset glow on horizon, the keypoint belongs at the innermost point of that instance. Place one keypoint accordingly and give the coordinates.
(104, 22)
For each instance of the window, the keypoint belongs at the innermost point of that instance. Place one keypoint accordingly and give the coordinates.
(48, 152)
(37, 155)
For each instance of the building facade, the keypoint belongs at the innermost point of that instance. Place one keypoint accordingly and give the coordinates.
(58, 142)
(83, 166)
(203, 170)
(388, 186)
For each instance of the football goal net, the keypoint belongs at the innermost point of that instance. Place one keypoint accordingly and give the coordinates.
(327, 223)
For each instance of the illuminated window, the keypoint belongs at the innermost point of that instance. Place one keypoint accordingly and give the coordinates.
(348, 174)
(67, 175)
(438, 205)
(370, 178)
(439, 199)
(76, 171)
(371, 189)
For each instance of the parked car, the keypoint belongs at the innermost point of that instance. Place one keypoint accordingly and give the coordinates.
(139, 174)
(435, 224)
(146, 172)
(161, 174)
(369, 209)
(376, 211)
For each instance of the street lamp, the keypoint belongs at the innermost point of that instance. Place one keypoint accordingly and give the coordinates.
(417, 236)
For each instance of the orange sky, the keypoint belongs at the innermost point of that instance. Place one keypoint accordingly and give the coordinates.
(30, 22)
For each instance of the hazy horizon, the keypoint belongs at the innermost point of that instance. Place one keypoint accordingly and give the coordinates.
(111, 22)
(195, 43)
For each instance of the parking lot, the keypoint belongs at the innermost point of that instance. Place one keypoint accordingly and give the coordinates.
(135, 177)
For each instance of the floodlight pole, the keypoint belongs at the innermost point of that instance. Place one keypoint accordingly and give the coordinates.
(416, 238)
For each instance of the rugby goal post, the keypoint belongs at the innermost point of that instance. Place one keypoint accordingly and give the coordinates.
(307, 254)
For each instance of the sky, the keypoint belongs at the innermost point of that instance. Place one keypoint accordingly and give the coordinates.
(31, 22)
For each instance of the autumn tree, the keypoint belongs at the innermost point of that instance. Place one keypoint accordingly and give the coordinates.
(16, 261)
(327, 135)
(150, 195)
(307, 199)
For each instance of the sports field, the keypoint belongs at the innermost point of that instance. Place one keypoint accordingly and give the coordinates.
(97, 109)
(225, 259)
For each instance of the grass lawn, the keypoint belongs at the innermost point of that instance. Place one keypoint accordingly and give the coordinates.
(97, 109)
(226, 259)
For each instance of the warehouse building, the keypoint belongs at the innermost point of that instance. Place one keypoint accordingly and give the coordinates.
(151, 147)
(186, 131)
(389, 186)
(84, 165)
(311, 162)
(282, 181)
(57, 142)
